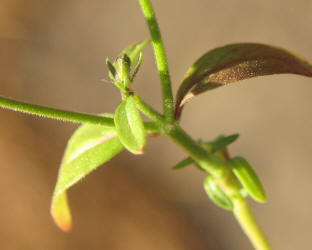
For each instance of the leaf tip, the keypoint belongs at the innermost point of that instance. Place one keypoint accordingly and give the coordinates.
(61, 213)
(140, 151)
(261, 198)
(63, 223)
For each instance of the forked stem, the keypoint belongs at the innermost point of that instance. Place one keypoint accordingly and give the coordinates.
(241, 211)
(164, 124)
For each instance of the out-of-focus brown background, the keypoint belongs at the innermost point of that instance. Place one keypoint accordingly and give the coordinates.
(53, 53)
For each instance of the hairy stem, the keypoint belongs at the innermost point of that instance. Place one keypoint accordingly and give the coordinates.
(53, 113)
(221, 172)
(64, 115)
(206, 160)
(161, 60)
(147, 110)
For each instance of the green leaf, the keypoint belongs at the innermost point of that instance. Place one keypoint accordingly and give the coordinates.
(111, 69)
(184, 163)
(237, 62)
(89, 147)
(216, 194)
(137, 66)
(133, 51)
(248, 178)
(130, 126)
(221, 142)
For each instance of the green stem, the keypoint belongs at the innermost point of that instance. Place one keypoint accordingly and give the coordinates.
(53, 113)
(210, 163)
(221, 172)
(206, 160)
(213, 166)
(147, 110)
(152, 128)
(249, 224)
(200, 155)
(161, 60)
(64, 115)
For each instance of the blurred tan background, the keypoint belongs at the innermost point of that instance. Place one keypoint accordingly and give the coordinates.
(53, 53)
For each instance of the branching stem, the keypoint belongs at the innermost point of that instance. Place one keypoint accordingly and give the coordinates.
(163, 125)
(207, 161)
(147, 110)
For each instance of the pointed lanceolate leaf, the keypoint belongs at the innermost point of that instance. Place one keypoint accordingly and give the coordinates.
(221, 142)
(89, 147)
(111, 68)
(137, 66)
(130, 126)
(187, 162)
(133, 51)
(236, 62)
(184, 163)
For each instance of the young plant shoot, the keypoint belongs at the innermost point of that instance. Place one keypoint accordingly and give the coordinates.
(230, 180)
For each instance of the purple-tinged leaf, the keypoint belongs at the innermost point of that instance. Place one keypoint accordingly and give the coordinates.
(236, 62)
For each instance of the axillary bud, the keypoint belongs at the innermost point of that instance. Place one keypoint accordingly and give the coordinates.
(216, 194)
(248, 178)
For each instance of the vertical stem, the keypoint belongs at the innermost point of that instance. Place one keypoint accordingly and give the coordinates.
(248, 223)
(161, 60)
